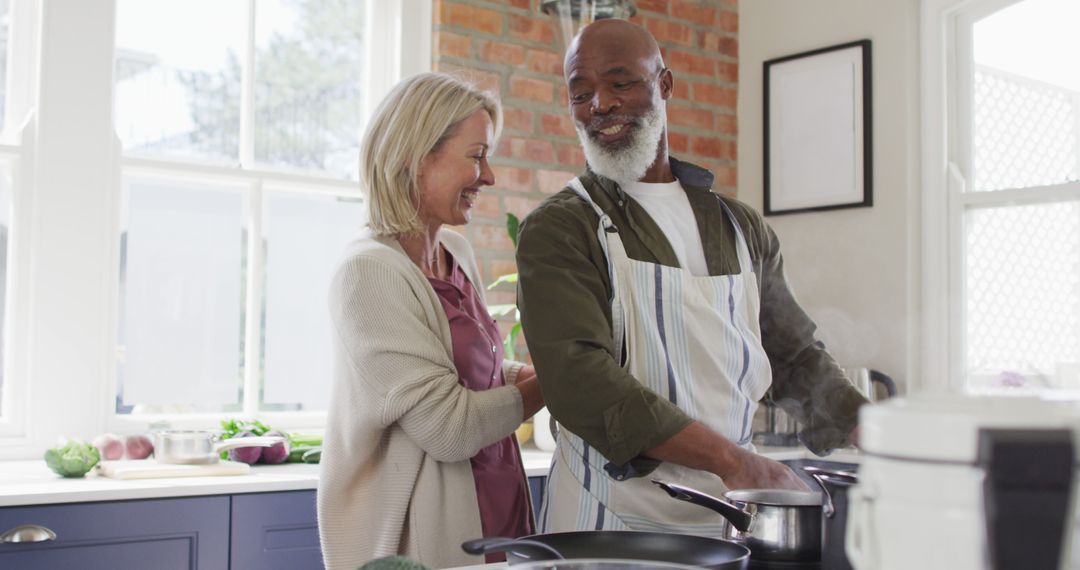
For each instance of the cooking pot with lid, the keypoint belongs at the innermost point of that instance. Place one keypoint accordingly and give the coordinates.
(966, 483)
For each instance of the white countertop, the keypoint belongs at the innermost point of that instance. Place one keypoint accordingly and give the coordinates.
(32, 483)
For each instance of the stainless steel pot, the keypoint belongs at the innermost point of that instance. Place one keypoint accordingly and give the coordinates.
(200, 447)
(834, 484)
(775, 524)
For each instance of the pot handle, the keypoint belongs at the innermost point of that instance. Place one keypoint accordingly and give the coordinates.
(821, 476)
(525, 548)
(237, 442)
(738, 518)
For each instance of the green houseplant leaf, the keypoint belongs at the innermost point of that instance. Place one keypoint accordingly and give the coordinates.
(496, 311)
(512, 224)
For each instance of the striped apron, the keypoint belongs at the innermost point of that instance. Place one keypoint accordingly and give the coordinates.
(693, 340)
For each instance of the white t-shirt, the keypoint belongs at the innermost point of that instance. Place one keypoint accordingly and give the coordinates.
(668, 206)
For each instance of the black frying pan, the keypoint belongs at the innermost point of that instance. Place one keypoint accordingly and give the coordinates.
(618, 544)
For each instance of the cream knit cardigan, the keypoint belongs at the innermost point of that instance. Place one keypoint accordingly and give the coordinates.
(395, 476)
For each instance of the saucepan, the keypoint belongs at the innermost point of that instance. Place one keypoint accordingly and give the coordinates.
(201, 447)
(775, 524)
(834, 484)
(779, 524)
(637, 548)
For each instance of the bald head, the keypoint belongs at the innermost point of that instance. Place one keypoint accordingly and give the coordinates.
(614, 39)
(618, 88)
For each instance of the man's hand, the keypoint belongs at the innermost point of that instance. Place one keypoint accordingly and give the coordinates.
(698, 447)
(753, 471)
(853, 437)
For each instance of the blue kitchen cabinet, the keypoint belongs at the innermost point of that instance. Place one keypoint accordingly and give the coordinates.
(272, 531)
(227, 532)
(163, 534)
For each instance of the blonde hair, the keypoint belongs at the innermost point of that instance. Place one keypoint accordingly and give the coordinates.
(412, 121)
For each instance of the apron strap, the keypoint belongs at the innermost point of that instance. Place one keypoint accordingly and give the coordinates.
(605, 227)
(742, 247)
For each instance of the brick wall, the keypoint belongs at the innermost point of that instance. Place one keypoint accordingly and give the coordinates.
(510, 47)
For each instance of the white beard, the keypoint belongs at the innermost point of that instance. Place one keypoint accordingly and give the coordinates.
(627, 165)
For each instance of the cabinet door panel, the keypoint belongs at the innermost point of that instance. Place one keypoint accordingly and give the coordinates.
(180, 534)
(273, 531)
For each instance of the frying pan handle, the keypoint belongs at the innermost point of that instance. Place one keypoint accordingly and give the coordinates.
(528, 549)
(738, 518)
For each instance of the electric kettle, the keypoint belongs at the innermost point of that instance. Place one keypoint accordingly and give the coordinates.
(865, 378)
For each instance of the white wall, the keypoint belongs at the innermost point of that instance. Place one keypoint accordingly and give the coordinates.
(856, 271)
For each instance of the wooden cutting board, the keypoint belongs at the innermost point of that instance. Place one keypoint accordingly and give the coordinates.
(151, 469)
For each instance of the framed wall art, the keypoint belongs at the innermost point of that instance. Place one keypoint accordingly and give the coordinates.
(817, 130)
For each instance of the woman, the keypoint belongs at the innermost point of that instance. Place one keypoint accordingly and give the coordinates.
(419, 453)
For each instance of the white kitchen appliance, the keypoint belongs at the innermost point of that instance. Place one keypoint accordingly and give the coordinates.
(966, 483)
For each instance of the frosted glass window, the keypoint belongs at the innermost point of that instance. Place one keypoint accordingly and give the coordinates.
(178, 69)
(304, 238)
(182, 291)
(1023, 295)
(1027, 96)
(308, 77)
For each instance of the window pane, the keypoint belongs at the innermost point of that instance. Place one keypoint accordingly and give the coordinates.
(181, 298)
(5, 224)
(1023, 295)
(308, 65)
(5, 26)
(305, 236)
(178, 76)
(1027, 96)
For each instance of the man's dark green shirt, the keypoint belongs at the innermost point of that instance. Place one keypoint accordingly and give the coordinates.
(564, 296)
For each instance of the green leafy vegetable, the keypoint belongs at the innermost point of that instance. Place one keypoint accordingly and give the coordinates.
(73, 459)
(234, 426)
(393, 563)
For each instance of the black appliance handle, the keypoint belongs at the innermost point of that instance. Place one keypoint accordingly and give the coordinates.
(524, 548)
(738, 518)
(886, 382)
(1028, 484)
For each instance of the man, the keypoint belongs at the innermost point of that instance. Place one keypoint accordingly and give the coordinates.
(658, 315)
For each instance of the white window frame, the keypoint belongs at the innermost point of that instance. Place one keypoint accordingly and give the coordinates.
(946, 98)
(61, 373)
(17, 137)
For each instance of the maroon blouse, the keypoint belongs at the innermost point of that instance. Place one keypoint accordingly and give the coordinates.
(501, 487)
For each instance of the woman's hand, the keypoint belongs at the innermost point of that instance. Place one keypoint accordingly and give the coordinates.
(531, 398)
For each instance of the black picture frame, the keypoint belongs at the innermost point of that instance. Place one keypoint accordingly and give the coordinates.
(818, 151)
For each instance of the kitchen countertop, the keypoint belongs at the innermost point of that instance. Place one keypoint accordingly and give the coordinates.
(30, 482)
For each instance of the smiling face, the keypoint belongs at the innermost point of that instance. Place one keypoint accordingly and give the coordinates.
(452, 175)
(618, 88)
